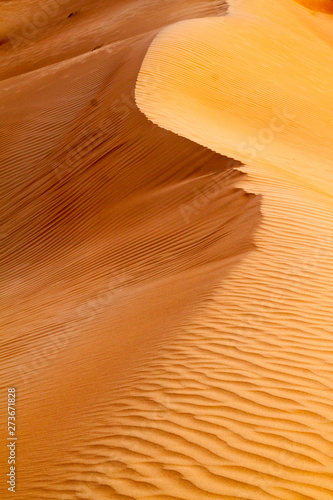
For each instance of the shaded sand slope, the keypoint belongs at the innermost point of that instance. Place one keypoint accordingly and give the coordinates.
(258, 87)
(113, 232)
(35, 34)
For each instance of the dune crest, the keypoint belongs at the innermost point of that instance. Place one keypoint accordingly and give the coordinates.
(166, 342)
(258, 87)
(113, 232)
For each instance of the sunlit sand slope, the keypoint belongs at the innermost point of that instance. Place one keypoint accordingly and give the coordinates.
(257, 85)
(113, 234)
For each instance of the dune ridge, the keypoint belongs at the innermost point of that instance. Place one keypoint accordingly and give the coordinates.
(113, 234)
(258, 86)
(167, 342)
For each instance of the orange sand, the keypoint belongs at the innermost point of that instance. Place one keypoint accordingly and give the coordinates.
(166, 342)
(114, 232)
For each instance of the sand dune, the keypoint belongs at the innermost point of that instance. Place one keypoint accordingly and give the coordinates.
(113, 232)
(167, 341)
(258, 86)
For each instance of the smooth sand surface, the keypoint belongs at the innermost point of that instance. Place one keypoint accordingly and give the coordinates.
(115, 234)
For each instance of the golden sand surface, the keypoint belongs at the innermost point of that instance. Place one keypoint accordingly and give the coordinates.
(114, 233)
(257, 85)
(165, 318)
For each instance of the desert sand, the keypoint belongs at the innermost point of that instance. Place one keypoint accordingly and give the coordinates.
(166, 249)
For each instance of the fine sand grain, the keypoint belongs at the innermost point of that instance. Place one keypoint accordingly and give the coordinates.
(115, 234)
(258, 85)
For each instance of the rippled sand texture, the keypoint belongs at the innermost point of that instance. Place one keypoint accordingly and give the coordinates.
(114, 235)
(257, 85)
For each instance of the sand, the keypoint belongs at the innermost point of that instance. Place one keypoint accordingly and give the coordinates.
(168, 333)
(113, 233)
(257, 85)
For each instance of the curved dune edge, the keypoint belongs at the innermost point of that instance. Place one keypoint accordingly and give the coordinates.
(258, 87)
(113, 233)
(36, 34)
